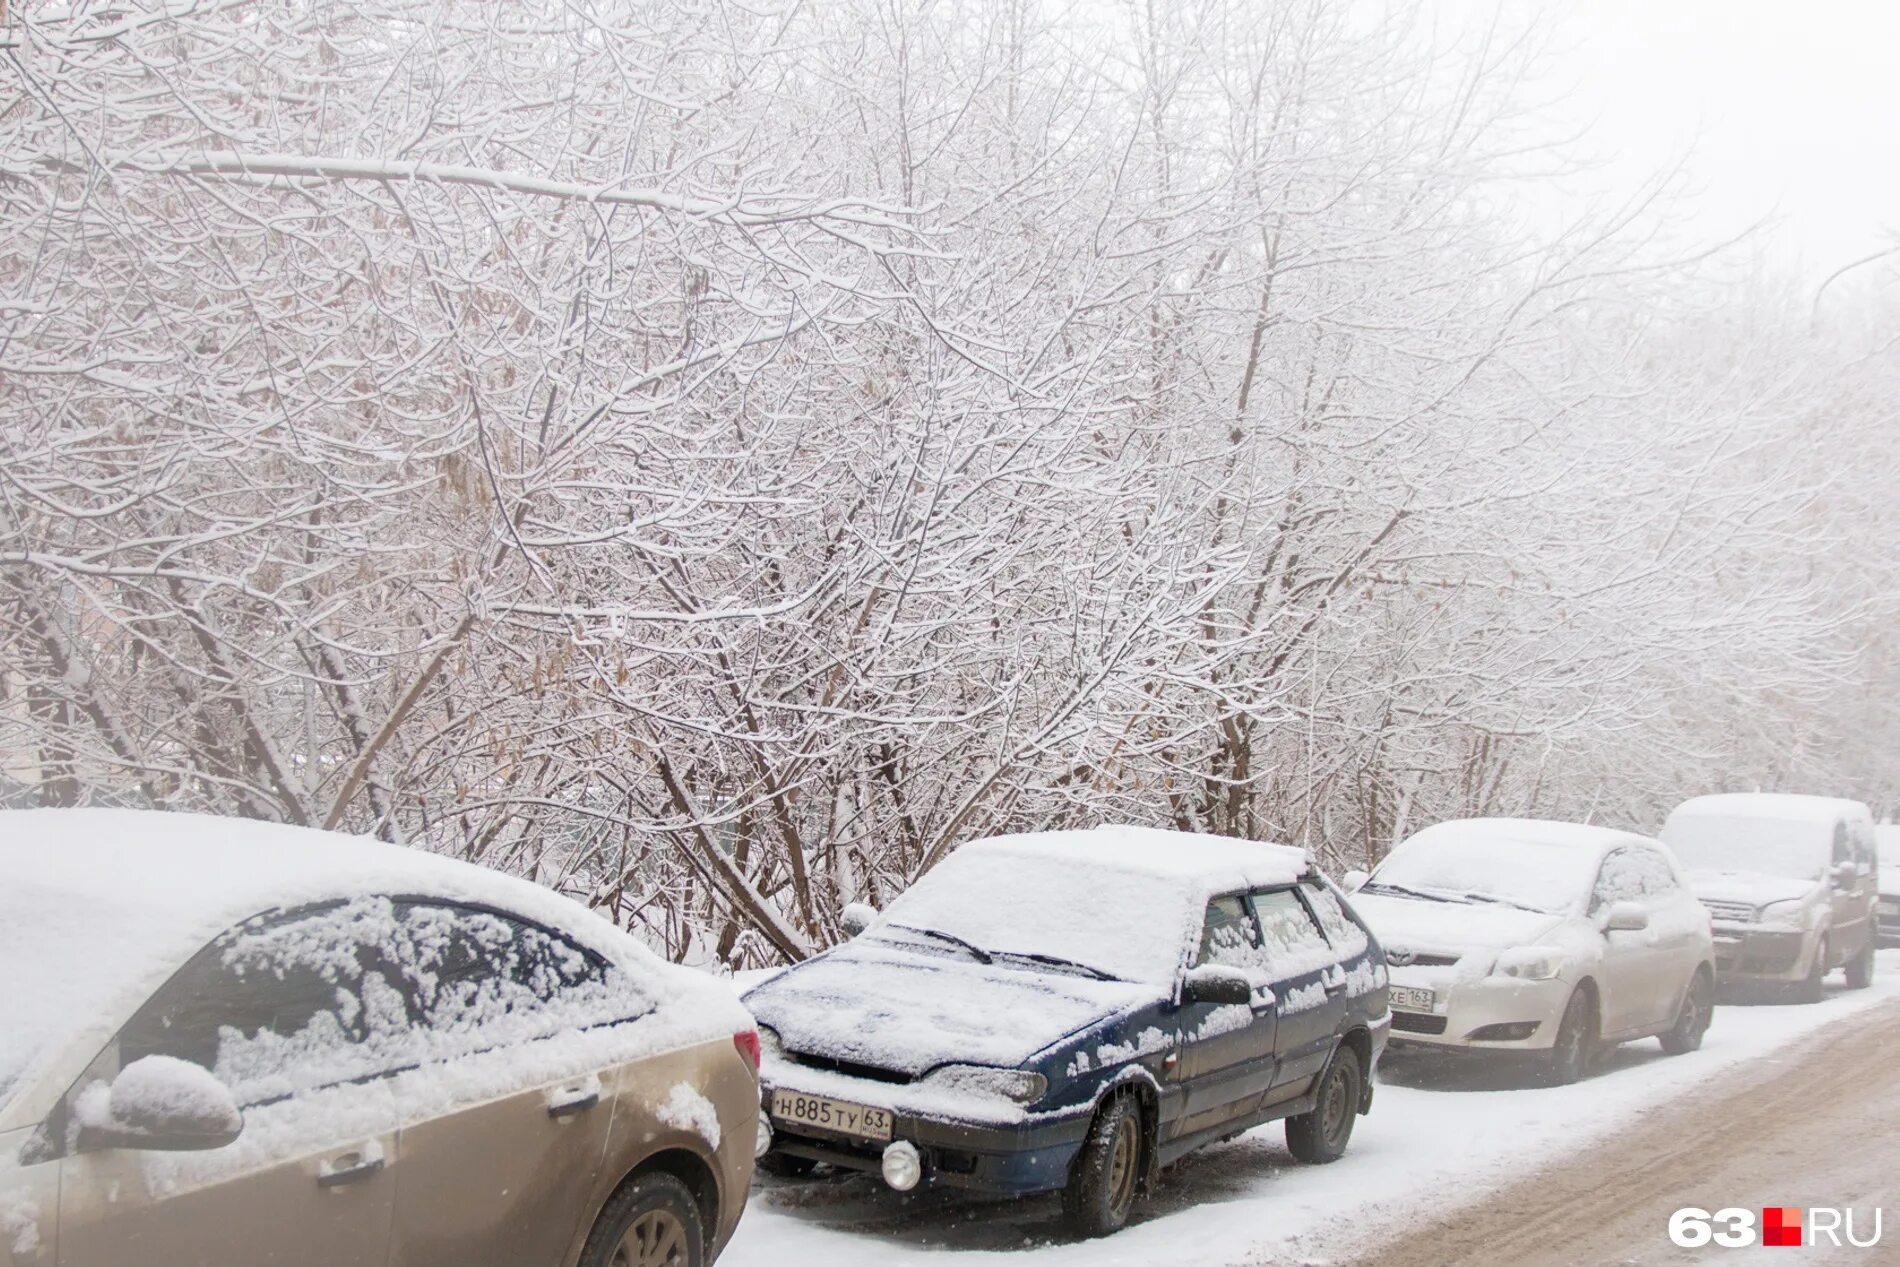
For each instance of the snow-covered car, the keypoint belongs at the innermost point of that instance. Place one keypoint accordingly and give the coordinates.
(1551, 939)
(232, 1043)
(1790, 882)
(1887, 876)
(1074, 1010)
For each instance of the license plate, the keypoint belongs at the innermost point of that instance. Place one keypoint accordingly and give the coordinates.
(859, 1120)
(1412, 999)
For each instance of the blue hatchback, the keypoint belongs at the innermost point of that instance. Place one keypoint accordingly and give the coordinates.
(1072, 1011)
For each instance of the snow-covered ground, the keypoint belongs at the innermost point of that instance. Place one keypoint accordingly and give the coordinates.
(1439, 1134)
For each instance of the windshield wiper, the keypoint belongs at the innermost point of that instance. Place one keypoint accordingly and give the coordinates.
(977, 952)
(1389, 887)
(1057, 961)
(1494, 900)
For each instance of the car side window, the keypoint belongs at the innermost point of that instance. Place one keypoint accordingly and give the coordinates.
(1843, 849)
(479, 979)
(1347, 937)
(1620, 879)
(1229, 935)
(1861, 842)
(1638, 874)
(1294, 942)
(282, 1003)
(1656, 878)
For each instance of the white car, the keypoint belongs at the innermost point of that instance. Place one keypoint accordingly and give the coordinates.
(1514, 935)
(1789, 882)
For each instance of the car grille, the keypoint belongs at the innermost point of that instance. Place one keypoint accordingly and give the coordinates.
(1417, 1023)
(1398, 957)
(847, 1067)
(1730, 912)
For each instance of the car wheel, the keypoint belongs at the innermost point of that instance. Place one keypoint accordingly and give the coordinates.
(785, 1166)
(1692, 1022)
(1321, 1135)
(1860, 969)
(1576, 1041)
(1813, 989)
(651, 1222)
(1106, 1175)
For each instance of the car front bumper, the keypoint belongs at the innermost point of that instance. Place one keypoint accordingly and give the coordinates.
(1887, 918)
(1488, 1014)
(1006, 1158)
(1753, 953)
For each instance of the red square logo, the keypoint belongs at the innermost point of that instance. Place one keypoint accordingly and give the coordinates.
(1781, 1225)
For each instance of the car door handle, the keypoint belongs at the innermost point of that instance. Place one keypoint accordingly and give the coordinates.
(347, 1169)
(573, 1105)
(1336, 987)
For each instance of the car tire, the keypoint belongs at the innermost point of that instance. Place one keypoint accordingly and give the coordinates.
(785, 1166)
(652, 1221)
(1692, 1022)
(1814, 988)
(1105, 1178)
(1860, 969)
(1321, 1135)
(1570, 1052)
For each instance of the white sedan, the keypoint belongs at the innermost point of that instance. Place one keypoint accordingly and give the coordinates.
(1558, 940)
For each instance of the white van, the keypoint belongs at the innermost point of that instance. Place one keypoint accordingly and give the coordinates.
(1789, 883)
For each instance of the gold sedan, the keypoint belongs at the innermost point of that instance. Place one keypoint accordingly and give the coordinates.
(229, 1044)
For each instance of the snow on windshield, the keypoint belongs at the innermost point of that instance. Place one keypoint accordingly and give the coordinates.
(1535, 874)
(1800, 848)
(1127, 924)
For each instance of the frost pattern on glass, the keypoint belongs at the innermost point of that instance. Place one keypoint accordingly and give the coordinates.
(1229, 937)
(370, 987)
(1346, 936)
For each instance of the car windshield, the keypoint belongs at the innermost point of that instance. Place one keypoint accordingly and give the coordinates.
(1535, 875)
(1047, 914)
(1801, 848)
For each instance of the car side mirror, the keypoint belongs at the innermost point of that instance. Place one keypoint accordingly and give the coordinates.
(1216, 983)
(1354, 880)
(1846, 874)
(159, 1104)
(856, 917)
(1626, 917)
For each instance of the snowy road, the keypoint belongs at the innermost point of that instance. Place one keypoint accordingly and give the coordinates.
(1440, 1136)
(1817, 1125)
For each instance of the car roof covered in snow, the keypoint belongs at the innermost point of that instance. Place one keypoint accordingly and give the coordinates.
(1206, 863)
(189, 873)
(1779, 805)
(1542, 831)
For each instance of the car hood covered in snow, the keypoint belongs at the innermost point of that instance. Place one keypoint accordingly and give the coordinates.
(1418, 926)
(880, 1005)
(1751, 887)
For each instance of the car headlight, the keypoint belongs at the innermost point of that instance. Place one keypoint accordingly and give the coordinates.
(1531, 963)
(1019, 1085)
(1789, 913)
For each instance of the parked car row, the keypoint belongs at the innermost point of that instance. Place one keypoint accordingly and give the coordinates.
(1071, 1012)
(235, 1043)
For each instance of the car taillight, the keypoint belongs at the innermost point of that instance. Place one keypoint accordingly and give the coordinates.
(747, 1041)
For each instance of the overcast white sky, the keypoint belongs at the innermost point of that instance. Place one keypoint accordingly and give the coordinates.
(1786, 108)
